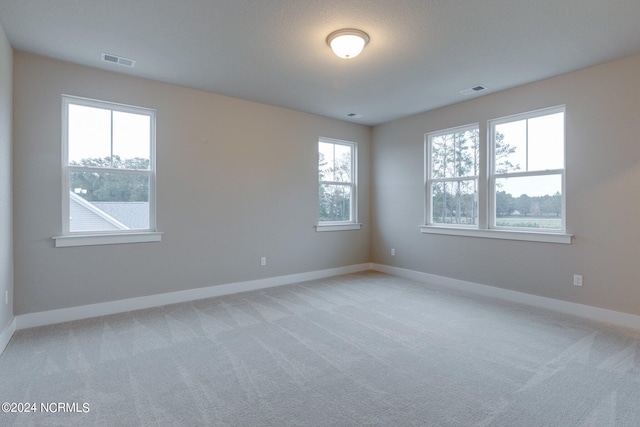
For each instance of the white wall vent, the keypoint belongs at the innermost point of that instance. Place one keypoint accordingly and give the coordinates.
(114, 59)
(473, 90)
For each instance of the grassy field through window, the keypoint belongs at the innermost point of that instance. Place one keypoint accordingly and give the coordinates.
(530, 222)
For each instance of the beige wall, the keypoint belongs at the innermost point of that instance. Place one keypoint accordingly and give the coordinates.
(236, 181)
(6, 244)
(603, 203)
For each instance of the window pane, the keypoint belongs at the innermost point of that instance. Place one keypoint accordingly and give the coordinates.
(546, 142)
(342, 165)
(530, 145)
(104, 201)
(335, 203)
(511, 147)
(325, 161)
(89, 136)
(454, 202)
(334, 162)
(131, 140)
(529, 202)
(455, 154)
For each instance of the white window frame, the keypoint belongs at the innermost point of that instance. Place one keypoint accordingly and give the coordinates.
(85, 238)
(352, 224)
(429, 180)
(486, 192)
(493, 176)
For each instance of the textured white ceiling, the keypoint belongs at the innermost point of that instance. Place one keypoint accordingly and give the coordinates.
(421, 54)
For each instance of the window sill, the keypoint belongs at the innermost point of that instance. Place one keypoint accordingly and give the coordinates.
(529, 236)
(338, 227)
(106, 239)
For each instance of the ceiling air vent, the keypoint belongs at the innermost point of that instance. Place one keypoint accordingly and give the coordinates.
(473, 90)
(114, 59)
(354, 115)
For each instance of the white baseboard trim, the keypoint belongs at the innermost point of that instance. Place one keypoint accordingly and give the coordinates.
(42, 318)
(6, 334)
(586, 311)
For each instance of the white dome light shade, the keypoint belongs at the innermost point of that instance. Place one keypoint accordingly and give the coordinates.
(347, 43)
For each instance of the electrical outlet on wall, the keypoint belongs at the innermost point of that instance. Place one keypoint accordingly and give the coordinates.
(263, 261)
(577, 280)
(393, 252)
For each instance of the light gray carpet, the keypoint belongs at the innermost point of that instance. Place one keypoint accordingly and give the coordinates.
(361, 349)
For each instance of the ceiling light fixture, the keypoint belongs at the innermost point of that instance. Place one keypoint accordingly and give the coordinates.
(347, 43)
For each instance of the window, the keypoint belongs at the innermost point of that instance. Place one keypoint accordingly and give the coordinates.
(109, 170)
(452, 183)
(527, 176)
(337, 206)
(513, 189)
